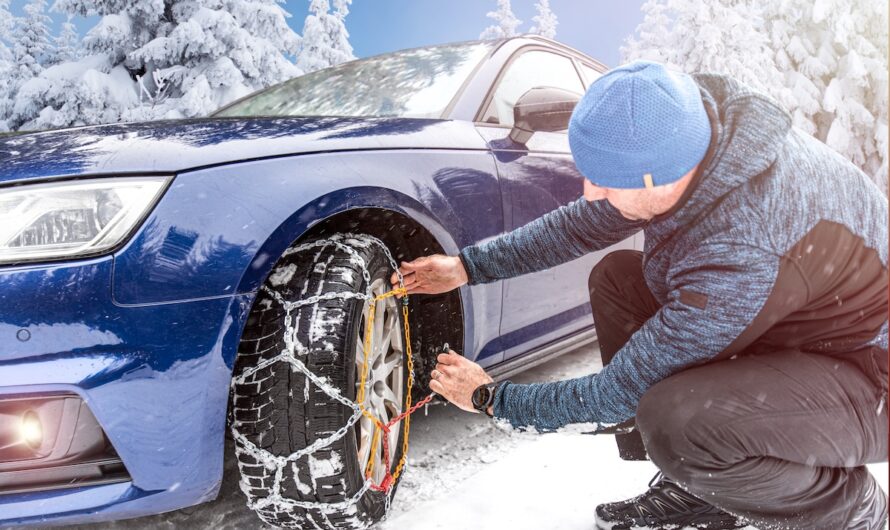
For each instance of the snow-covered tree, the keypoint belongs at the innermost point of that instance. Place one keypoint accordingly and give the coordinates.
(216, 53)
(31, 41)
(545, 21)
(505, 25)
(325, 39)
(717, 36)
(834, 54)
(652, 35)
(66, 46)
(824, 61)
(6, 65)
(150, 59)
(88, 91)
(6, 25)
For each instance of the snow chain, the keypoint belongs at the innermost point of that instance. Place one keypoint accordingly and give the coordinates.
(291, 354)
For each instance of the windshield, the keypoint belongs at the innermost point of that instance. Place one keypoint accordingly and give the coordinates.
(417, 83)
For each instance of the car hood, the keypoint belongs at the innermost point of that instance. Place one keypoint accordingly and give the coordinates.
(178, 145)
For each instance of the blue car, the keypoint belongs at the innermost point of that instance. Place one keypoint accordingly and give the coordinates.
(165, 285)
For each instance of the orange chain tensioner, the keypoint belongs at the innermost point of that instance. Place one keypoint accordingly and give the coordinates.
(390, 478)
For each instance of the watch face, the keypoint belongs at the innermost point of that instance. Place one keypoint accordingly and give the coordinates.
(480, 396)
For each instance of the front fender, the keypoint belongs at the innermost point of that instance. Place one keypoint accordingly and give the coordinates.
(219, 231)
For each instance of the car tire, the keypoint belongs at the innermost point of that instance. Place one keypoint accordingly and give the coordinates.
(278, 410)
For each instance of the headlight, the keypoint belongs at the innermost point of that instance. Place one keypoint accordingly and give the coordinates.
(72, 218)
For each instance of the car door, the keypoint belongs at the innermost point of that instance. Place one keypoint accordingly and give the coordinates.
(536, 178)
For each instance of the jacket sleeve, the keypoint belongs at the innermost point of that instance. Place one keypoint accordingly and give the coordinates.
(713, 297)
(559, 236)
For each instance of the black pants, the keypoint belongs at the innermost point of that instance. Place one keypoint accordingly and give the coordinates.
(780, 438)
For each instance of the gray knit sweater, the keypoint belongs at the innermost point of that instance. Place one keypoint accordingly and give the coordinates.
(781, 242)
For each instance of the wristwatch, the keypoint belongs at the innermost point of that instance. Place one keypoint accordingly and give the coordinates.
(483, 397)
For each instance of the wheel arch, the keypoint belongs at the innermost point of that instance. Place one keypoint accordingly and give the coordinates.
(408, 229)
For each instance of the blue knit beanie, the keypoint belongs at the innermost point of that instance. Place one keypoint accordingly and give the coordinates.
(639, 125)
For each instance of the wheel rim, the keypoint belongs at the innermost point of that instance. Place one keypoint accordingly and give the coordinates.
(385, 385)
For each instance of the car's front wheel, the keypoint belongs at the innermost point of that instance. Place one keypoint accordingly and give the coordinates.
(302, 445)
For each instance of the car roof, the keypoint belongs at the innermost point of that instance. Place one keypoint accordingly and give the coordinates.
(532, 38)
(496, 44)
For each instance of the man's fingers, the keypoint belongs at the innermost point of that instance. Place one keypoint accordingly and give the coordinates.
(446, 369)
(438, 388)
(418, 288)
(411, 266)
(450, 357)
(445, 358)
(407, 277)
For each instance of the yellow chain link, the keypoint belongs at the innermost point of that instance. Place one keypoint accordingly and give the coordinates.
(364, 378)
(374, 439)
(398, 470)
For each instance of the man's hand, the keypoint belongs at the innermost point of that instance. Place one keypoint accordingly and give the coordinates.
(455, 378)
(432, 274)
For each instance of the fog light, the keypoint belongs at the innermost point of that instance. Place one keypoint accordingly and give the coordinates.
(31, 430)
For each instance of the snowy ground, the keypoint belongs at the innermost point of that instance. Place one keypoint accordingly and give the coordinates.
(466, 473)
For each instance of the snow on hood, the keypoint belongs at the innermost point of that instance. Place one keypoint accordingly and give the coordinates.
(177, 145)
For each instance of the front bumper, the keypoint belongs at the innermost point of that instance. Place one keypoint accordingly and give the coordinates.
(156, 378)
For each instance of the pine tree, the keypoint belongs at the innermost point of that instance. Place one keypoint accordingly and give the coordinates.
(31, 41)
(652, 34)
(507, 23)
(150, 59)
(6, 65)
(824, 61)
(325, 38)
(66, 46)
(545, 21)
(717, 36)
(6, 25)
(834, 55)
(215, 54)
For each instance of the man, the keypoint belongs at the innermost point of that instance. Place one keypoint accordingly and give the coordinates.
(749, 340)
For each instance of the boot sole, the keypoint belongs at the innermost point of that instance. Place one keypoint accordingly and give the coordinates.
(704, 524)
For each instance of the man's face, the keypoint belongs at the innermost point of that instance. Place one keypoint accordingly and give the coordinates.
(642, 203)
(632, 203)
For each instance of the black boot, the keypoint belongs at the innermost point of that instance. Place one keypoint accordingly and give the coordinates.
(665, 505)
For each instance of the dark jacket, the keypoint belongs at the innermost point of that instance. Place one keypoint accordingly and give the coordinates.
(779, 242)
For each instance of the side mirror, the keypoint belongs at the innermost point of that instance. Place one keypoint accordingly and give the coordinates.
(546, 109)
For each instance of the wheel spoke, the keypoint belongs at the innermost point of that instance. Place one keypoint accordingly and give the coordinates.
(397, 339)
(366, 431)
(391, 363)
(379, 320)
(390, 321)
(380, 409)
(390, 398)
(385, 342)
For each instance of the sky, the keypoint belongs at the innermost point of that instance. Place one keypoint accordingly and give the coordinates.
(596, 27)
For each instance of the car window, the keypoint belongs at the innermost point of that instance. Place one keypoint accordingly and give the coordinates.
(531, 69)
(417, 83)
(590, 74)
